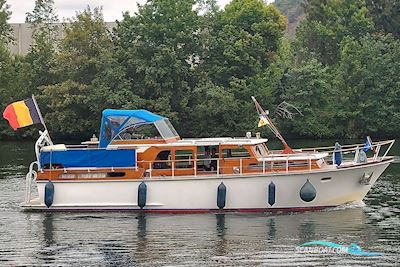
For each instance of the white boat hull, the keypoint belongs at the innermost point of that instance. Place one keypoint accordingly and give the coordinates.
(199, 194)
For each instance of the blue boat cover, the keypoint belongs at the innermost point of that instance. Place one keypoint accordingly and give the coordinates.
(89, 158)
(114, 120)
(141, 114)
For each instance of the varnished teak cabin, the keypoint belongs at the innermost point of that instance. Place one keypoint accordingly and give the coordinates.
(166, 155)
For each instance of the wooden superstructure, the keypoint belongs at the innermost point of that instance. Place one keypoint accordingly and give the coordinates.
(188, 157)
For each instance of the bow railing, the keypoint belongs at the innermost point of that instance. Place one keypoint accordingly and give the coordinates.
(379, 150)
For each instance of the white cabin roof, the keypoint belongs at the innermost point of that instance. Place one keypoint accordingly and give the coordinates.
(220, 141)
(202, 142)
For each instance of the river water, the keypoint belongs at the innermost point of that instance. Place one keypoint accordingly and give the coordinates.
(132, 239)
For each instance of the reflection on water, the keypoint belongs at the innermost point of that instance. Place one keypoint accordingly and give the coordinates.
(221, 248)
(129, 239)
(271, 229)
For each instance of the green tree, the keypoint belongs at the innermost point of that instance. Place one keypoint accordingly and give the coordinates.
(356, 87)
(212, 108)
(41, 56)
(88, 81)
(368, 86)
(246, 40)
(294, 11)
(309, 88)
(327, 23)
(386, 15)
(158, 47)
(5, 29)
(6, 64)
(244, 57)
(5, 57)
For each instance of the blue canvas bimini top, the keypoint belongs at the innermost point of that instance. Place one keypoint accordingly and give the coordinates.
(140, 114)
(115, 120)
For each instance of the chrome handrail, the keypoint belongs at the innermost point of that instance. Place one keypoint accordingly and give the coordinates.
(275, 159)
(374, 144)
(30, 176)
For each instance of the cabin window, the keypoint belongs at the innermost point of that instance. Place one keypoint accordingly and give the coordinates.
(163, 160)
(209, 158)
(115, 174)
(107, 131)
(299, 163)
(183, 159)
(281, 164)
(261, 150)
(144, 131)
(111, 125)
(320, 163)
(235, 153)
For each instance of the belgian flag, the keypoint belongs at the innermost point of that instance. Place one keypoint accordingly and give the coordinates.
(22, 113)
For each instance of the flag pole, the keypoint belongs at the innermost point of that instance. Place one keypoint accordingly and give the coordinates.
(40, 115)
(271, 125)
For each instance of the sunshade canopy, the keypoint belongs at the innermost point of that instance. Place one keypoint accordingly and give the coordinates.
(114, 121)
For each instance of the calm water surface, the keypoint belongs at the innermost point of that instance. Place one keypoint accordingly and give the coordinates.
(132, 239)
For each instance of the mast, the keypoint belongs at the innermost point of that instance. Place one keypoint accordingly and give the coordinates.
(41, 118)
(264, 116)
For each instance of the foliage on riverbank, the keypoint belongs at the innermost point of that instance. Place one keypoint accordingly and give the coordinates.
(198, 65)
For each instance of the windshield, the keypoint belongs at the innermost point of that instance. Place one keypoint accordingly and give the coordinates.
(261, 150)
(134, 124)
(161, 129)
(142, 131)
(166, 129)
